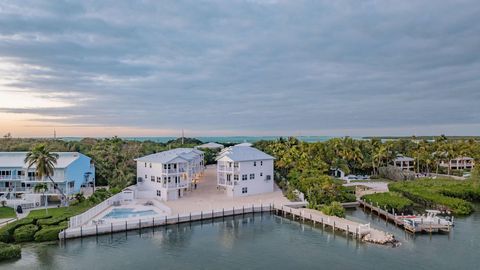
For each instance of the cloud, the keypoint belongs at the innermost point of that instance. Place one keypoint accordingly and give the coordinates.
(261, 66)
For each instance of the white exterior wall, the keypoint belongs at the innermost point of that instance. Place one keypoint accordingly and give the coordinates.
(168, 190)
(254, 186)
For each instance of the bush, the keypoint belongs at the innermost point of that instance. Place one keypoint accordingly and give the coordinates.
(50, 233)
(51, 221)
(432, 193)
(8, 251)
(334, 209)
(6, 232)
(25, 233)
(391, 200)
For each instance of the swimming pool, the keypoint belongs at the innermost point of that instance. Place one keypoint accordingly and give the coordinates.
(128, 213)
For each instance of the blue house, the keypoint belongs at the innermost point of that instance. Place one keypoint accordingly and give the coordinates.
(72, 171)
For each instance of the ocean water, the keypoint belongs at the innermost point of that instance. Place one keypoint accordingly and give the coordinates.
(220, 139)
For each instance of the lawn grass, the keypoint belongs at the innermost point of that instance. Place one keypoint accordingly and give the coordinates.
(7, 212)
(68, 211)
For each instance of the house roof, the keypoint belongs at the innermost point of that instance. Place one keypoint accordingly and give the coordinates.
(16, 159)
(245, 144)
(186, 154)
(243, 153)
(403, 158)
(210, 145)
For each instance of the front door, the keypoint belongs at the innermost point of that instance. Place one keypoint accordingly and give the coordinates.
(179, 193)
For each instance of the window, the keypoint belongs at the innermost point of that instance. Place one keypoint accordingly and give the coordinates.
(146, 177)
(261, 174)
(269, 177)
(261, 163)
(169, 179)
(159, 180)
(244, 177)
(164, 166)
(235, 165)
(254, 163)
(150, 165)
(145, 164)
(229, 177)
(159, 193)
(152, 178)
(235, 177)
(252, 176)
(244, 190)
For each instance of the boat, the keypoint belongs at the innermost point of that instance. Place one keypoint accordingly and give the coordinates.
(429, 222)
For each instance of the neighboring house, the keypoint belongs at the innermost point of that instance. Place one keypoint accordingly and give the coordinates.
(72, 171)
(210, 145)
(460, 163)
(404, 163)
(244, 144)
(244, 170)
(169, 174)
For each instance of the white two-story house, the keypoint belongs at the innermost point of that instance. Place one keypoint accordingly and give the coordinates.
(244, 170)
(17, 182)
(169, 174)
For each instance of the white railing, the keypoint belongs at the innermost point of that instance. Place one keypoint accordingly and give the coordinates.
(78, 220)
(111, 226)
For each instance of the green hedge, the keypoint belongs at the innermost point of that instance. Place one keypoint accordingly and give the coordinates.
(6, 232)
(50, 233)
(391, 200)
(8, 251)
(51, 221)
(25, 233)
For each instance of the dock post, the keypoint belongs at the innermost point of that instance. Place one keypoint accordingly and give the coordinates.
(323, 224)
(348, 231)
(178, 218)
(213, 215)
(223, 212)
(190, 217)
(356, 233)
(140, 225)
(261, 209)
(125, 226)
(96, 229)
(64, 234)
(201, 215)
(153, 221)
(243, 210)
(334, 226)
(111, 228)
(233, 210)
(81, 231)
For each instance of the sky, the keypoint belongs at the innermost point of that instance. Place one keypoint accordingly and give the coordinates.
(232, 67)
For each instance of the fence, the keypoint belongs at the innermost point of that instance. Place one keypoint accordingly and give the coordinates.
(79, 220)
(154, 221)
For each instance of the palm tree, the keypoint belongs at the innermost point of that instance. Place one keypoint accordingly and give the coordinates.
(44, 162)
(42, 187)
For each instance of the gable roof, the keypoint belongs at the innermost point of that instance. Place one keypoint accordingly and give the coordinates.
(403, 158)
(186, 154)
(16, 159)
(243, 153)
(210, 145)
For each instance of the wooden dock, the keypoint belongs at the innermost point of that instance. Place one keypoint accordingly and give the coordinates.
(398, 220)
(350, 228)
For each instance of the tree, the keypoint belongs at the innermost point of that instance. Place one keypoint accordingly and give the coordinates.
(42, 188)
(44, 162)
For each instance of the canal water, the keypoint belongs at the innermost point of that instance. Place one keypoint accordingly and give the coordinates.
(259, 242)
